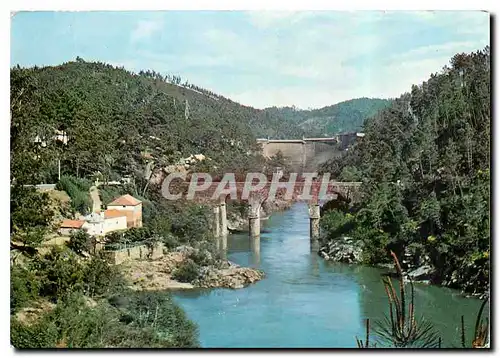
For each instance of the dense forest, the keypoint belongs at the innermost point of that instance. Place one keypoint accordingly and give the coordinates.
(425, 167)
(343, 117)
(118, 121)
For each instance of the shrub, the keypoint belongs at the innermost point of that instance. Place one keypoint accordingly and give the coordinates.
(101, 278)
(137, 234)
(170, 241)
(24, 287)
(144, 320)
(375, 245)
(42, 334)
(335, 223)
(157, 310)
(201, 257)
(61, 273)
(80, 241)
(188, 271)
(71, 324)
(78, 191)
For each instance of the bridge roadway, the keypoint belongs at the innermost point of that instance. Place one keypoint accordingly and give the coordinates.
(220, 191)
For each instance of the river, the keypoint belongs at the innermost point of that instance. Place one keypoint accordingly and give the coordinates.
(305, 301)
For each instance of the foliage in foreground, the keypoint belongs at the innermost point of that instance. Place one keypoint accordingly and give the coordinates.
(400, 329)
(64, 278)
(148, 320)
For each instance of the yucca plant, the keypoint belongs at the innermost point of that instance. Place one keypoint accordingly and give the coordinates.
(481, 331)
(366, 343)
(400, 327)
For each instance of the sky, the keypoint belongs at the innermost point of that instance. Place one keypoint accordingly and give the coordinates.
(260, 58)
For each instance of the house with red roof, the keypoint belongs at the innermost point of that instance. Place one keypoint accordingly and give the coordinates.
(68, 226)
(123, 213)
(131, 207)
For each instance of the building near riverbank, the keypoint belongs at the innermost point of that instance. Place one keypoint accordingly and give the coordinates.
(123, 213)
(131, 207)
(100, 224)
(68, 226)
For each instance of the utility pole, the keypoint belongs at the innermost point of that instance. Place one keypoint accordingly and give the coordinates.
(186, 110)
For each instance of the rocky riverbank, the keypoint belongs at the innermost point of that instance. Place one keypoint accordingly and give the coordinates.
(347, 250)
(344, 249)
(154, 275)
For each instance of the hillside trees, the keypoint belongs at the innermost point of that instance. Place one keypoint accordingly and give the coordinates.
(113, 118)
(424, 164)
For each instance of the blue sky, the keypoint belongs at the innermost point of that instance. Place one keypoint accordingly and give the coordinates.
(306, 59)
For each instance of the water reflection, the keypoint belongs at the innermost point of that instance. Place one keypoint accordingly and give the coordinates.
(315, 263)
(314, 246)
(255, 247)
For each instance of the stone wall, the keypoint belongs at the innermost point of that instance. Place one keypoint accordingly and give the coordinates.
(140, 252)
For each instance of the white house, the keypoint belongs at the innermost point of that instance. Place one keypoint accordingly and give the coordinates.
(94, 224)
(124, 212)
(114, 220)
(105, 222)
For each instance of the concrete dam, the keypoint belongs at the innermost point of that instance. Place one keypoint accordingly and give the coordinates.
(307, 154)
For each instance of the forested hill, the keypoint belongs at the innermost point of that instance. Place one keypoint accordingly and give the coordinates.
(343, 117)
(425, 167)
(117, 120)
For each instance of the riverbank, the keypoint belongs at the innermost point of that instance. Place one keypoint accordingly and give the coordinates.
(160, 274)
(349, 251)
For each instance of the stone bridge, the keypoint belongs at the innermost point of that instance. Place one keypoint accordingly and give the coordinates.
(306, 154)
(296, 187)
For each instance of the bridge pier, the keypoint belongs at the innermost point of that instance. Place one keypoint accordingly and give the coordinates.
(255, 246)
(216, 221)
(221, 245)
(220, 220)
(223, 219)
(254, 204)
(254, 225)
(314, 217)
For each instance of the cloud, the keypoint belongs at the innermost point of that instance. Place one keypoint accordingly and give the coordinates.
(144, 29)
(446, 49)
(267, 19)
(315, 59)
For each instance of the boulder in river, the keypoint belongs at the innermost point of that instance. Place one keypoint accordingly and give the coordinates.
(232, 277)
(423, 273)
(344, 249)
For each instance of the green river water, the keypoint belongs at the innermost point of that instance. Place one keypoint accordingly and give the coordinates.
(305, 301)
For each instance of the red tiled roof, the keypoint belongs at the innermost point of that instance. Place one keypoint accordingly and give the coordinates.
(113, 213)
(127, 200)
(72, 224)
